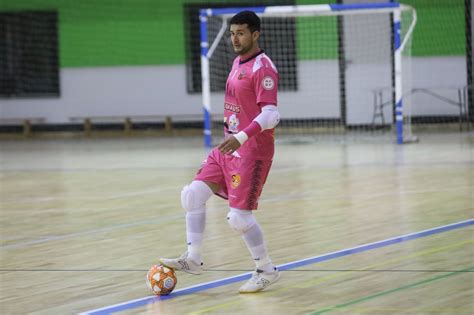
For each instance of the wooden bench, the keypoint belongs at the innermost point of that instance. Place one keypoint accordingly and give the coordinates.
(128, 121)
(25, 123)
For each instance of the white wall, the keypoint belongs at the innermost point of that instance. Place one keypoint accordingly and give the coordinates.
(162, 91)
(441, 75)
(111, 91)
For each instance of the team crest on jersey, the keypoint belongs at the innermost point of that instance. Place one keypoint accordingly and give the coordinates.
(241, 75)
(268, 83)
(235, 180)
(233, 123)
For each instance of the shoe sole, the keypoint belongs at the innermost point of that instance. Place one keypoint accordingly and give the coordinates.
(250, 292)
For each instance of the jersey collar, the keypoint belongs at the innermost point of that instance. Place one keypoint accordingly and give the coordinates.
(250, 58)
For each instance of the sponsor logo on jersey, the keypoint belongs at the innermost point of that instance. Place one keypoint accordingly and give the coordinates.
(268, 83)
(233, 123)
(235, 180)
(232, 107)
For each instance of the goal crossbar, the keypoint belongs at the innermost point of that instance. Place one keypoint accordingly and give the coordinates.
(309, 10)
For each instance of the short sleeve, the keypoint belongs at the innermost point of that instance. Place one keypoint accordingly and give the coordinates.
(266, 85)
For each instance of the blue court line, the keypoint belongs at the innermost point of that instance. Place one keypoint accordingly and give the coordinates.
(291, 265)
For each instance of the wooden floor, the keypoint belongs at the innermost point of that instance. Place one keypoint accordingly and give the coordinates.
(82, 221)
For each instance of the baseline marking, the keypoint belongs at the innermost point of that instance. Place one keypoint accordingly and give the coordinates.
(291, 265)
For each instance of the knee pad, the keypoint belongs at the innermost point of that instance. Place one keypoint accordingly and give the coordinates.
(195, 195)
(240, 220)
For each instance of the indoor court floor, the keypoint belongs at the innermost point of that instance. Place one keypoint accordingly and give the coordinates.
(357, 227)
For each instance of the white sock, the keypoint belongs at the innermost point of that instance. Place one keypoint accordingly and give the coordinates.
(254, 240)
(195, 224)
(196, 218)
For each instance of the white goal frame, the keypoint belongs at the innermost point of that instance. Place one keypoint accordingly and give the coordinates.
(207, 49)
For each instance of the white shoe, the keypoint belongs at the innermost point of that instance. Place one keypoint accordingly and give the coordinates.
(183, 263)
(259, 281)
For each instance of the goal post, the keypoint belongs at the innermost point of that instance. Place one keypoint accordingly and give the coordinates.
(311, 64)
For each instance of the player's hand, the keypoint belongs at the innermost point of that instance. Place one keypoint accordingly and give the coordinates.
(229, 145)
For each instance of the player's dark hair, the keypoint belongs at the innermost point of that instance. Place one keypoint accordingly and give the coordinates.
(247, 17)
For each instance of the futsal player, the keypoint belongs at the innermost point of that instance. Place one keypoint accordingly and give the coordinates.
(238, 168)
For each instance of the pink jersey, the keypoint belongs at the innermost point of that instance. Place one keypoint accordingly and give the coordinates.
(252, 83)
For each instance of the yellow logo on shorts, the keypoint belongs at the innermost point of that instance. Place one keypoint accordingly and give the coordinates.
(235, 180)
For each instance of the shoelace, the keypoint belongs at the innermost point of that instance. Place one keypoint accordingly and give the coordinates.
(255, 275)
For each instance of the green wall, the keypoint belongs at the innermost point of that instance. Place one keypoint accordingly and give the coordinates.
(440, 29)
(114, 32)
(150, 32)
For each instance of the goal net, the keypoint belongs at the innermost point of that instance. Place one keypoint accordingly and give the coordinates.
(345, 70)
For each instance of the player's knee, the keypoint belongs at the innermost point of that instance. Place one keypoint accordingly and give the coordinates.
(195, 195)
(240, 220)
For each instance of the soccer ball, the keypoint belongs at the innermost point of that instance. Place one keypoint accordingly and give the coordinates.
(161, 280)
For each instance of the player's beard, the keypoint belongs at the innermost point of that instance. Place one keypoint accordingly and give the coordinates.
(243, 49)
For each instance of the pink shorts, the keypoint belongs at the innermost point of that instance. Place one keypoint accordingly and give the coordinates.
(241, 180)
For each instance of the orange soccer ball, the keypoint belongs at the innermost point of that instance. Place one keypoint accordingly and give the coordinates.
(161, 280)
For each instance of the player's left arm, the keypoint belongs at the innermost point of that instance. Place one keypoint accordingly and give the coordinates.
(267, 119)
(266, 88)
(266, 85)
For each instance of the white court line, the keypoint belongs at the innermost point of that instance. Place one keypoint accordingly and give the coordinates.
(308, 195)
(161, 219)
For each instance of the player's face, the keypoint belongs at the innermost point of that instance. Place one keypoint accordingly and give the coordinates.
(242, 39)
